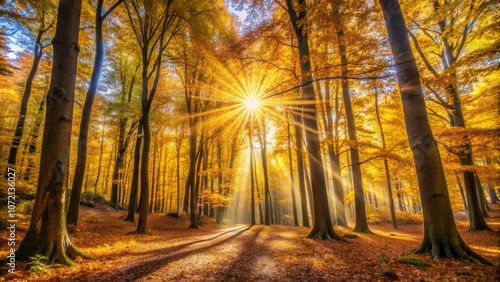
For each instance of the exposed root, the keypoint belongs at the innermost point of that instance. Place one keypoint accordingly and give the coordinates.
(139, 232)
(324, 234)
(449, 249)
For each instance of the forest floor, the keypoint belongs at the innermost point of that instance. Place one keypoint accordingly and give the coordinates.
(258, 253)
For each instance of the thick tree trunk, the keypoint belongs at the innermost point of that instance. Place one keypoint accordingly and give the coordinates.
(47, 234)
(322, 223)
(441, 237)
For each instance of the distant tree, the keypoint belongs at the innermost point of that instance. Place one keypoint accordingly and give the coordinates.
(386, 164)
(441, 238)
(445, 48)
(43, 23)
(47, 234)
(154, 25)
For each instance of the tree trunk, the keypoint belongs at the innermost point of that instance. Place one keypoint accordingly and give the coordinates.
(322, 224)
(441, 237)
(18, 134)
(47, 234)
(297, 119)
(333, 154)
(33, 140)
(81, 160)
(134, 187)
(361, 223)
(193, 201)
(482, 199)
(252, 175)
(462, 194)
(292, 181)
(386, 166)
(263, 154)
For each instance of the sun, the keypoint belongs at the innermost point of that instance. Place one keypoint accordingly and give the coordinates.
(251, 103)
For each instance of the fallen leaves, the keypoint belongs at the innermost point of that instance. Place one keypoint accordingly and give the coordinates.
(258, 253)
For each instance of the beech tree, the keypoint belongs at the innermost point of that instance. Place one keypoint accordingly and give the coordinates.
(47, 234)
(452, 30)
(441, 238)
(154, 25)
(37, 56)
(76, 190)
(322, 225)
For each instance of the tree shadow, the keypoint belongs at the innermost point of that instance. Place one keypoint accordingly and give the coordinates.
(162, 258)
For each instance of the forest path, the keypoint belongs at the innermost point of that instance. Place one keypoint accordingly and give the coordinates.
(258, 253)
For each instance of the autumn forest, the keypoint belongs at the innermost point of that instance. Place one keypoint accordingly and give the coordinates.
(285, 140)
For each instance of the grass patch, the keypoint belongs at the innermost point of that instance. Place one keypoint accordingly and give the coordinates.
(414, 261)
(384, 258)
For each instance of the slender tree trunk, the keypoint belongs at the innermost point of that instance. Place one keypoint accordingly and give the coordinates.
(153, 177)
(361, 222)
(134, 187)
(47, 234)
(297, 118)
(252, 175)
(462, 194)
(292, 181)
(81, 160)
(441, 237)
(178, 174)
(483, 205)
(263, 154)
(386, 166)
(322, 223)
(193, 211)
(18, 133)
(33, 141)
(99, 164)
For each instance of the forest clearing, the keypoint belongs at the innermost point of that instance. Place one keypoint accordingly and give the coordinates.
(259, 253)
(244, 140)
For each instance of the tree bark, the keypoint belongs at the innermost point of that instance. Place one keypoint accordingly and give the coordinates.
(81, 160)
(292, 181)
(263, 154)
(33, 141)
(18, 133)
(47, 234)
(361, 222)
(386, 166)
(297, 121)
(252, 175)
(441, 238)
(322, 224)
